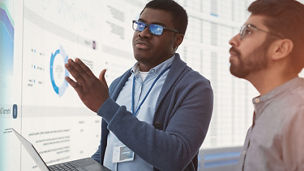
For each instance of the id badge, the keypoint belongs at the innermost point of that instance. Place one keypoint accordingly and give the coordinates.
(122, 154)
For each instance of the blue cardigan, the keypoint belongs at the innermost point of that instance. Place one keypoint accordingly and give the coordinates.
(182, 117)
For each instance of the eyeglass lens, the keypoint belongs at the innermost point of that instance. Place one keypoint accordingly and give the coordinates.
(154, 29)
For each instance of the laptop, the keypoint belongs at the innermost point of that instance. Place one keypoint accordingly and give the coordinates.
(87, 164)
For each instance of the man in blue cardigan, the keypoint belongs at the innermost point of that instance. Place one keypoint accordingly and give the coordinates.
(156, 115)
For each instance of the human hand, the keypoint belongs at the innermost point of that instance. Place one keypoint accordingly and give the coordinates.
(91, 90)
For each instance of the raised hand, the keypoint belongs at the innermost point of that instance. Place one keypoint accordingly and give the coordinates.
(91, 90)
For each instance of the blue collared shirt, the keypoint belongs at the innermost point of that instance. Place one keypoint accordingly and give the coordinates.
(145, 113)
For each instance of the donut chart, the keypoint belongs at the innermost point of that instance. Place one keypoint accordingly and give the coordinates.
(59, 86)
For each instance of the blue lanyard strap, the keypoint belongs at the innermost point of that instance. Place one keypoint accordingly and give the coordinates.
(133, 91)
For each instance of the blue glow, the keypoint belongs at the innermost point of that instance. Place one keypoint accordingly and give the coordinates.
(221, 155)
(6, 45)
(221, 159)
(220, 163)
(6, 70)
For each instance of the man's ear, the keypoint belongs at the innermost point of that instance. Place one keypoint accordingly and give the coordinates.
(281, 48)
(178, 40)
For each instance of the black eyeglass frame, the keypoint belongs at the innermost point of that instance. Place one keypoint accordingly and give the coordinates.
(149, 27)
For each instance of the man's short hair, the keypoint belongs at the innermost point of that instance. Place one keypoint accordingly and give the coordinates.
(286, 18)
(178, 13)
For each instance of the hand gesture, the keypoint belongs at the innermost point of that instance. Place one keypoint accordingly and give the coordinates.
(91, 90)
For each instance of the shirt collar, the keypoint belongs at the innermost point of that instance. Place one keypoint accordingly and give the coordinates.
(261, 102)
(155, 70)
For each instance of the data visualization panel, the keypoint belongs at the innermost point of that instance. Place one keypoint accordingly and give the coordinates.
(38, 37)
(53, 117)
(10, 81)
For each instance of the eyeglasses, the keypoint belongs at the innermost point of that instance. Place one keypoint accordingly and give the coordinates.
(154, 29)
(247, 29)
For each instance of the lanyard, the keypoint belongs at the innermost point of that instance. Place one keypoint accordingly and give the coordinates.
(133, 91)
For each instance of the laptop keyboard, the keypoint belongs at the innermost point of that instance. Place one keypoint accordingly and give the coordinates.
(63, 167)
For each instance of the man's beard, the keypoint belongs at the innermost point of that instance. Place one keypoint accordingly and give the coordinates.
(255, 61)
